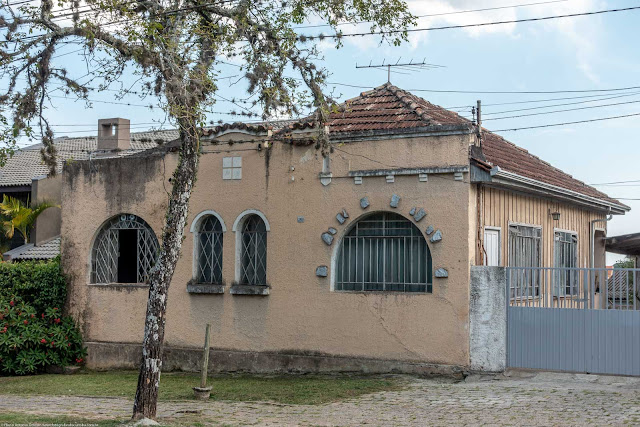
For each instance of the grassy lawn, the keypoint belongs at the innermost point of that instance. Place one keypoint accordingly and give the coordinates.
(12, 418)
(292, 389)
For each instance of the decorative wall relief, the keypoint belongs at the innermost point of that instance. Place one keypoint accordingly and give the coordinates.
(364, 202)
(437, 236)
(419, 215)
(429, 230)
(441, 273)
(327, 238)
(395, 199)
(322, 271)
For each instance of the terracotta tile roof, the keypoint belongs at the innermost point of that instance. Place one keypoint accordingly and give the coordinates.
(508, 156)
(385, 108)
(251, 127)
(388, 108)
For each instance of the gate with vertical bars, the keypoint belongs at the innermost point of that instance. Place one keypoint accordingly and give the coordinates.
(574, 319)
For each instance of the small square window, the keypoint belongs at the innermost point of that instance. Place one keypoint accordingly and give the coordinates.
(232, 168)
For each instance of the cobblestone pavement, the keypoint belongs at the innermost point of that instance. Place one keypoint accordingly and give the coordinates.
(518, 398)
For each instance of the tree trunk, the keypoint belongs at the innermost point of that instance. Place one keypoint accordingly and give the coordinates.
(160, 278)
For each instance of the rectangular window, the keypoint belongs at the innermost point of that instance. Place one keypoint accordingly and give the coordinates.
(525, 250)
(232, 168)
(492, 246)
(565, 259)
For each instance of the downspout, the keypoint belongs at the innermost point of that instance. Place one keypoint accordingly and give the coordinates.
(593, 235)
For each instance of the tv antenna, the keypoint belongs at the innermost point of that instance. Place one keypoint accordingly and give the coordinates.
(406, 67)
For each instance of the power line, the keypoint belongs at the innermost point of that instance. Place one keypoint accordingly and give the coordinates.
(503, 92)
(616, 182)
(484, 24)
(338, 36)
(567, 123)
(446, 13)
(150, 106)
(561, 111)
(558, 105)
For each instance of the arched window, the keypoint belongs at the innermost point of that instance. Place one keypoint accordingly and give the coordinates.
(383, 252)
(124, 251)
(253, 253)
(208, 250)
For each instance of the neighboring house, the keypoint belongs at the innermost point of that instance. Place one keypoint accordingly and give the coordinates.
(357, 261)
(45, 250)
(25, 177)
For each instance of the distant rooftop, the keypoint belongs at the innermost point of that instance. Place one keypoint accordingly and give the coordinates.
(46, 250)
(26, 164)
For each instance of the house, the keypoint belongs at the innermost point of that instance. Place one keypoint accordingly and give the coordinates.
(26, 177)
(356, 261)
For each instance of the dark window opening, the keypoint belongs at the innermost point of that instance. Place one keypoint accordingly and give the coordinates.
(128, 256)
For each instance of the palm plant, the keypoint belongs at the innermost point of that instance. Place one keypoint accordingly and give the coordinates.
(21, 217)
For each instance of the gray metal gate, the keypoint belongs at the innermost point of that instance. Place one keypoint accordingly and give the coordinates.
(574, 319)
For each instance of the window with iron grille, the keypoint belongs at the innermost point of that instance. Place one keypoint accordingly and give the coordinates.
(125, 251)
(208, 242)
(253, 256)
(384, 252)
(525, 251)
(565, 250)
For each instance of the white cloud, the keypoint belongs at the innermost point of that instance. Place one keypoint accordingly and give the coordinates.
(580, 34)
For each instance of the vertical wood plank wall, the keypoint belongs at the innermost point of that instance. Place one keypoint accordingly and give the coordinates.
(501, 207)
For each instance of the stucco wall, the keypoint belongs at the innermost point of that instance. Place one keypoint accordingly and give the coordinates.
(301, 313)
(47, 225)
(488, 319)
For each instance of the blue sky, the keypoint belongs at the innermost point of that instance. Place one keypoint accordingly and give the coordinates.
(592, 52)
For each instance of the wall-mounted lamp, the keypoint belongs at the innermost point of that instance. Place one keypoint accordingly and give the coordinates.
(555, 215)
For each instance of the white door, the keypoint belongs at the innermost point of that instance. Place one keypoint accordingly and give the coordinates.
(492, 247)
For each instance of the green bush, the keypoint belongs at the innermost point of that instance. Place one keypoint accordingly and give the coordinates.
(31, 340)
(39, 284)
(33, 332)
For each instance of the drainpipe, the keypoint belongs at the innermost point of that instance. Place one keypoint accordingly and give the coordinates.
(593, 235)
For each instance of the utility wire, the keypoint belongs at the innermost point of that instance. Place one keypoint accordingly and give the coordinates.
(340, 35)
(561, 111)
(616, 182)
(559, 105)
(484, 24)
(567, 123)
(457, 12)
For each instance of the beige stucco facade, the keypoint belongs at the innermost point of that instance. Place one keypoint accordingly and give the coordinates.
(301, 313)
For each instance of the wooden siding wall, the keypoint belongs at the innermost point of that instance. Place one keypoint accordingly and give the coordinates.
(501, 207)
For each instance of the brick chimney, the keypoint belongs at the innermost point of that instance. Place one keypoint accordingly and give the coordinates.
(114, 134)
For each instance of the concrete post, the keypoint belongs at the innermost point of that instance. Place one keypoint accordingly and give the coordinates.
(488, 319)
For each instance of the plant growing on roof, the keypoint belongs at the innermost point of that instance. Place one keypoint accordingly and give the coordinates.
(175, 48)
(20, 217)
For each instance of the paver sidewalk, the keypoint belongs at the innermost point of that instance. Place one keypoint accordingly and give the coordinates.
(519, 399)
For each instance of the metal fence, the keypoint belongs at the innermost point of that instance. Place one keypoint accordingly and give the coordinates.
(579, 288)
(574, 319)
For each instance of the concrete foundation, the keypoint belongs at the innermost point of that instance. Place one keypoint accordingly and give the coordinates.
(488, 319)
(110, 355)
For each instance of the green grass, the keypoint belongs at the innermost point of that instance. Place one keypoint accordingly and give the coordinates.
(292, 389)
(13, 418)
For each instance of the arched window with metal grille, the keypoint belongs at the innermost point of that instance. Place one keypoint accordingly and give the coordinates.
(253, 255)
(124, 251)
(383, 252)
(208, 249)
